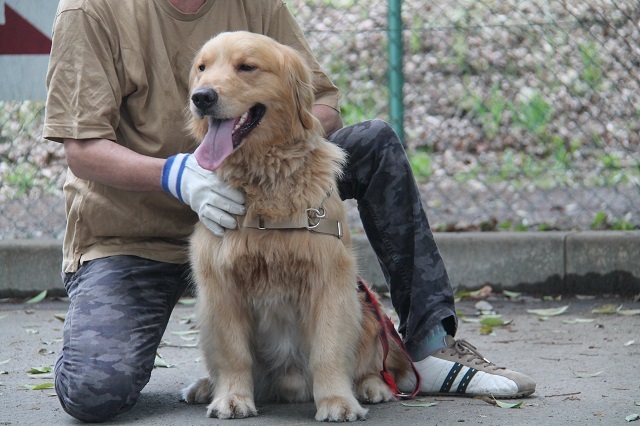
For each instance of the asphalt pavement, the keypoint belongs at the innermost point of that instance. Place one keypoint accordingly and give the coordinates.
(586, 365)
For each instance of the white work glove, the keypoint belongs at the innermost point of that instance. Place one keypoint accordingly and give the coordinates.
(203, 191)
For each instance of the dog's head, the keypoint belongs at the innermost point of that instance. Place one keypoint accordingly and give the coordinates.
(248, 89)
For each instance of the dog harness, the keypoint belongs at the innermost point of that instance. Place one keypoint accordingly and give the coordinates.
(313, 219)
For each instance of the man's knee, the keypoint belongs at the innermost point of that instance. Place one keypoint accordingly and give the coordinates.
(92, 400)
(383, 130)
(374, 134)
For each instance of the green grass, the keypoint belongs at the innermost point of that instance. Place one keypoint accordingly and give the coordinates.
(21, 178)
(420, 161)
(602, 222)
(533, 113)
(591, 72)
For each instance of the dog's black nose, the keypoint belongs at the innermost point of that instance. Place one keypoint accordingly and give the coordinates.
(204, 98)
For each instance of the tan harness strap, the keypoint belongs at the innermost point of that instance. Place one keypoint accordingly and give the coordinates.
(317, 224)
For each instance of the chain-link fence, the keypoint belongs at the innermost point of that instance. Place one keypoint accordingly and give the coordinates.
(519, 115)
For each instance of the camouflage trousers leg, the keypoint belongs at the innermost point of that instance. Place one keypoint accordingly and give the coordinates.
(119, 309)
(378, 175)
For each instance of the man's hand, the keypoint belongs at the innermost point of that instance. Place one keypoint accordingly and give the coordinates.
(212, 199)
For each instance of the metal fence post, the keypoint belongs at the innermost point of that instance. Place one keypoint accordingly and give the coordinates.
(396, 76)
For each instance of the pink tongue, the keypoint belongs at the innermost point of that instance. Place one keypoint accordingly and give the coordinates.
(216, 145)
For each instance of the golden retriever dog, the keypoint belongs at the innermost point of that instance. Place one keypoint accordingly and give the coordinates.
(278, 305)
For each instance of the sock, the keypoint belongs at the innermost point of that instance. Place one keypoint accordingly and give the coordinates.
(433, 341)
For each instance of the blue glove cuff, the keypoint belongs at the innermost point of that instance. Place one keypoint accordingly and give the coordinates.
(172, 174)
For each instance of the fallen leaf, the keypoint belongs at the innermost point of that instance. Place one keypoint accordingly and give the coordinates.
(39, 298)
(552, 298)
(31, 331)
(40, 370)
(511, 294)
(629, 312)
(419, 404)
(47, 385)
(6, 361)
(188, 319)
(185, 333)
(61, 317)
(607, 309)
(630, 342)
(187, 301)
(587, 375)
(186, 345)
(44, 342)
(486, 330)
(508, 405)
(632, 417)
(577, 320)
(159, 362)
(41, 376)
(494, 321)
(501, 404)
(550, 312)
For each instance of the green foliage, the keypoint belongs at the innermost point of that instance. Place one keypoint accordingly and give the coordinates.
(591, 72)
(610, 162)
(356, 111)
(490, 112)
(533, 113)
(562, 152)
(420, 164)
(622, 225)
(22, 178)
(602, 222)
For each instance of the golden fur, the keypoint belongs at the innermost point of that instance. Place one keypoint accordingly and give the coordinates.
(281, 318)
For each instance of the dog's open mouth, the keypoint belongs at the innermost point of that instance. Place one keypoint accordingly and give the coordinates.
(225, 135)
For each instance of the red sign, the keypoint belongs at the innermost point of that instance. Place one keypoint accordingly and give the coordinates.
(19, 37)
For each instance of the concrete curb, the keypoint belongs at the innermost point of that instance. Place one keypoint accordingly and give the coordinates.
(591, 262)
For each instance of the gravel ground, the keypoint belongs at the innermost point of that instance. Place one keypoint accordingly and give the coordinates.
(575, 358)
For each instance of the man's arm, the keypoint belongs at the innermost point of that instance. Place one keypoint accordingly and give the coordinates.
(104, 161)
(329, 118)
(108, 163)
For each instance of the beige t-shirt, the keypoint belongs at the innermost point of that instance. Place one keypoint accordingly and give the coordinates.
(119, 70)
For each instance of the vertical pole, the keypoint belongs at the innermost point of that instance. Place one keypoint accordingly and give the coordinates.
(396, 76)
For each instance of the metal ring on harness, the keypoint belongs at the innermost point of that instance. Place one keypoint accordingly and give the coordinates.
(320, 213)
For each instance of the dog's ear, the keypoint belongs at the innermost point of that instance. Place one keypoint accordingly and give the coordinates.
(299, 79)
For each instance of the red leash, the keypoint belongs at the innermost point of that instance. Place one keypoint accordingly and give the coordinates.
(387, 328)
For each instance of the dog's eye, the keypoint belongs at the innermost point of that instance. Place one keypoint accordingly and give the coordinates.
(201, 67)
(246, 68)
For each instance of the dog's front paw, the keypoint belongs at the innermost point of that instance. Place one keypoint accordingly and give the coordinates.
(372, 389)
(232, 406)
(339, 409)
(198, 392)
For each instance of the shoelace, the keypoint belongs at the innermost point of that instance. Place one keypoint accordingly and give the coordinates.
(464, 348)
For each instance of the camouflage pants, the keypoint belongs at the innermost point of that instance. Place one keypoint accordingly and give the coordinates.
(120, 305)
(379, 177)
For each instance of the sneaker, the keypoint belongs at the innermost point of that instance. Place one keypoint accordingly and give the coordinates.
(458, 369)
